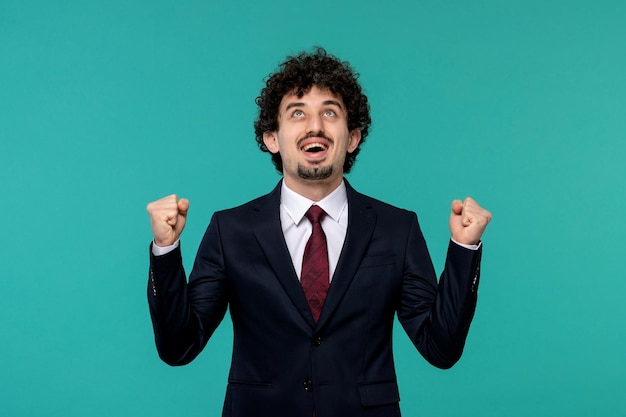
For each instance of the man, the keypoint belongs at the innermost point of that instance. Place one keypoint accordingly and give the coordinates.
(312, 292)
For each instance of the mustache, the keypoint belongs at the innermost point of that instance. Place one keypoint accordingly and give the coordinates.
(319, 134)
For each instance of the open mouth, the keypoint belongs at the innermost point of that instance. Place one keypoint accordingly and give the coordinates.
(314, 147)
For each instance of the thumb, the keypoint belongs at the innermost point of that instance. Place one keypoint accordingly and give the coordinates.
(457, 207)
(181, 219)
(455, 216)
(183, 207)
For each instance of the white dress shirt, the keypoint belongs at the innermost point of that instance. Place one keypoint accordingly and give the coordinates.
(297, 229)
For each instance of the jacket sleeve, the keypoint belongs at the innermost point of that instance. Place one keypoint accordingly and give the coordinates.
(185, 315)
(437, 316)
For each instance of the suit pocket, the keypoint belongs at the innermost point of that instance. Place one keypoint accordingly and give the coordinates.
(378, 260)
(380, 393)
(251, 398)
(249, 384)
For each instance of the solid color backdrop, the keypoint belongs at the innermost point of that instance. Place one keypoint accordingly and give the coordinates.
(105, 106)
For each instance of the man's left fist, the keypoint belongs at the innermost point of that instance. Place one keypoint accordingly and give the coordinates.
(468, 221)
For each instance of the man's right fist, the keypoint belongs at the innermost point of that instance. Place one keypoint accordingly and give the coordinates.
(167, 217)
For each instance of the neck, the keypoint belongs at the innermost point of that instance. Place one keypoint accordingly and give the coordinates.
(314, 190)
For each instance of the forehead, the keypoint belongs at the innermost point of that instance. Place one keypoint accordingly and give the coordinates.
(314, 96)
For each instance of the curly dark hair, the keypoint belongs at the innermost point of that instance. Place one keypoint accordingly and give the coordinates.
(297, 75)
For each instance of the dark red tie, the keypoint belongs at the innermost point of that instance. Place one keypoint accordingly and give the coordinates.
(315, 275)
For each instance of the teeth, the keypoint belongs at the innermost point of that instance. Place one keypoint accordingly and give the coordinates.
(313, 145)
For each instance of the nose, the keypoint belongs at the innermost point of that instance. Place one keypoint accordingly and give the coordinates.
(315, 124)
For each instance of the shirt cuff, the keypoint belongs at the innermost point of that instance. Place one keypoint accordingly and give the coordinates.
(470, 247)
(164, 250)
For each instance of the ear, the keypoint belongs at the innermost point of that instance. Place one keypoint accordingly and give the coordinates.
(271, 141)
(354, 139)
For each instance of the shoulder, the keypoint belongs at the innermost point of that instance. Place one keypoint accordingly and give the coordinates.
(358, 199)
(268, 202)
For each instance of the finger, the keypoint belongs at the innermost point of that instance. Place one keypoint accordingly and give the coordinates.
(171, 220)
(469, 201)
(162, 203)
(168, 208)
(183, 206)
(457, 207)
(472, 209)
(466, 219)
(469, 211)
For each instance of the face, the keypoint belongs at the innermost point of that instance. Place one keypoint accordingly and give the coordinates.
(312, 139)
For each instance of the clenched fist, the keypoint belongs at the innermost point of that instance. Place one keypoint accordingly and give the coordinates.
(167, 217)
(468, 221)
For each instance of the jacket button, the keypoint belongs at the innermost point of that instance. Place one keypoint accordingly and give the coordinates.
(317, 340)
(308, 385)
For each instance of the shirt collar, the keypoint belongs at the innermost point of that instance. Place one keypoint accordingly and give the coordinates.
(334, 204)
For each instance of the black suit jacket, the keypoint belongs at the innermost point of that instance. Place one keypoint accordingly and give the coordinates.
(283, 363)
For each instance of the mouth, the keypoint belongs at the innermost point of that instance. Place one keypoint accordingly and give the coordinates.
(314, 147)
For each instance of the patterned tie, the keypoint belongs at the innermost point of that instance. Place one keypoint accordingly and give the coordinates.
(315, 276)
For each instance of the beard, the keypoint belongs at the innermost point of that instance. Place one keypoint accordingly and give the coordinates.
(315, 173)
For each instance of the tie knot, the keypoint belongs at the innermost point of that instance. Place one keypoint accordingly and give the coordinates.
(315, 214)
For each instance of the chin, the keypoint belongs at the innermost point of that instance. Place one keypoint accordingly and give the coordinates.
(315, 172)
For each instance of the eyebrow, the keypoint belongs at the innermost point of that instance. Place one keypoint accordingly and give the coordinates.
(325, 103)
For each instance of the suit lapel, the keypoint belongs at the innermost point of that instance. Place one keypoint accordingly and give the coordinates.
(361, 222)
(268, 232)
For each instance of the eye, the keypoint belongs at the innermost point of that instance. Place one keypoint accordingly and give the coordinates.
(329, 113)
(297, 113)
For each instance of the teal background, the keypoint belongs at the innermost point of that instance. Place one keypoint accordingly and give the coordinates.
(105, 106)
